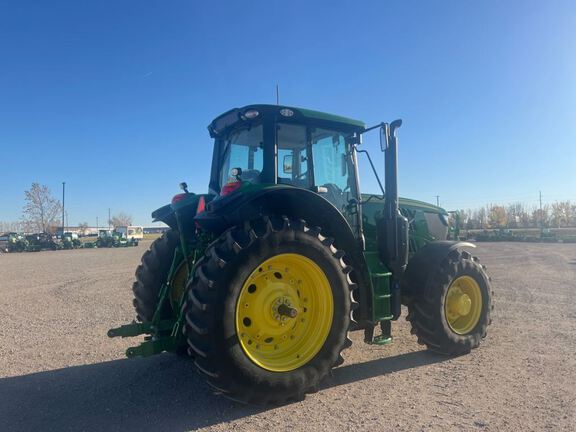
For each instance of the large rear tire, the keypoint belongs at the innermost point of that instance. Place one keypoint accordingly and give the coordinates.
(151, 274)
(268, 311)
(455, 315)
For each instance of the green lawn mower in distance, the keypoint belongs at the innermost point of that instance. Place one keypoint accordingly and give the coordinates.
(260, 280)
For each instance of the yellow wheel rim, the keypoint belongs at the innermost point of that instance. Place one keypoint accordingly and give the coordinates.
(178, 284)
(284, 312)
(463, 304)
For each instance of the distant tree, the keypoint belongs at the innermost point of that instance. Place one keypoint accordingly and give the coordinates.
(517, 215)
(497, 217)
(561, 213)
(11, 227)
(82, 228)
(541, 217)
(481, 217)
(41, 210)
(120, 219)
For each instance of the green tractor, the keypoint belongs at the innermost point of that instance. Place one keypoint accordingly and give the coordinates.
(12, 242)
(108, 239)
(260, 280)
(70, 240)
(41, 241)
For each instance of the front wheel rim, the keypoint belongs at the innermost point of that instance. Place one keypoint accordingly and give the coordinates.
(284, 312)
(463, 305)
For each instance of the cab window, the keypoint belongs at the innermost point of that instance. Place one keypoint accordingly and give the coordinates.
(292, 157)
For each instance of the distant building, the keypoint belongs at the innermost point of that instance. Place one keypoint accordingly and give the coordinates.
(156, 229)
(88, 231)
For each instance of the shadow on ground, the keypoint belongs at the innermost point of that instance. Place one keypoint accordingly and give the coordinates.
(157, 393)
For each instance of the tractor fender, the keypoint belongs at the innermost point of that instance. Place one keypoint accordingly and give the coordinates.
(165, 214)
(423, 264)
(286, 200)
(185, 205)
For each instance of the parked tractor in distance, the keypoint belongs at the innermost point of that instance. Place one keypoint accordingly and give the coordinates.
(108, 239)
(41, 241)
(260, 280)
(70, 240)
(12, 242)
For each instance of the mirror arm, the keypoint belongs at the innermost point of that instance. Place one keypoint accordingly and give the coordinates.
(373, 127)
(373, 168)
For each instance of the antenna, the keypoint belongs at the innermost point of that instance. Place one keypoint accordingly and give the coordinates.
(277, 95)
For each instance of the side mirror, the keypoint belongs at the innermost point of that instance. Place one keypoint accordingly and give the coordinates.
(287, 164)
(184, 187)
(384, 136)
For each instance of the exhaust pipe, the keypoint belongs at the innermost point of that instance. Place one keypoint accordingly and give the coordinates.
(395, 253)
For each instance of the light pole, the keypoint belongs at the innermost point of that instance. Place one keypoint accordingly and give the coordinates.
(63, 197)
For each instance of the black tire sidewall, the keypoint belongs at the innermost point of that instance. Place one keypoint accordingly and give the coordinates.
(244, 379)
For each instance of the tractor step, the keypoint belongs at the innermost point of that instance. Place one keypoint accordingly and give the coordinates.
(381, 309)
(384, 339)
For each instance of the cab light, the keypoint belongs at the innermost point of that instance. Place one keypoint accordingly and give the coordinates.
(228, 188)
(251, 114)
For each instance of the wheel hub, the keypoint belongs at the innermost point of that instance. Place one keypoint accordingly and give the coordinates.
(284, 312)
(460, 304)
(463, 304)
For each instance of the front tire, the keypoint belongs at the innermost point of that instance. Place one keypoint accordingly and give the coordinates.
(454, 317)
(268, 311)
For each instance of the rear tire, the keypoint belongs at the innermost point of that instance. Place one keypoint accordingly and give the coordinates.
(455, 315)
(265, 259)
(151, 274)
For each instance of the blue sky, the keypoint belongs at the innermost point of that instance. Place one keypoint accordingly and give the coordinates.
(113, 97)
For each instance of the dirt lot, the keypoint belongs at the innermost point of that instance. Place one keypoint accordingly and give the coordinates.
(59, 371)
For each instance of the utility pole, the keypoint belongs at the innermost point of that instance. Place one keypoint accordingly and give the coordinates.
(437, 200)
(63, 197)
(108, 218)
(541, 216)
(96, 224)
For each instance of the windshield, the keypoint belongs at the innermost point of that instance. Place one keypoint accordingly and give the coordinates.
(243, 149)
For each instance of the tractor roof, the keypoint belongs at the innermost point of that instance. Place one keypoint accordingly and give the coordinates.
(227, 118)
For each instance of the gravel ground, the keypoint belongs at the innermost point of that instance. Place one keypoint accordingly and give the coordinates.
(59, 371)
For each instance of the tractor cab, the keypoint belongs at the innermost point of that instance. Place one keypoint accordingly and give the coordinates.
(269, 144)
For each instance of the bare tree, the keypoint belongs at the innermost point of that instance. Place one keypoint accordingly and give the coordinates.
(562, 213)
(541, 217)
(82, 228)
(120, 219)
(11, 227)
(41, 209)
